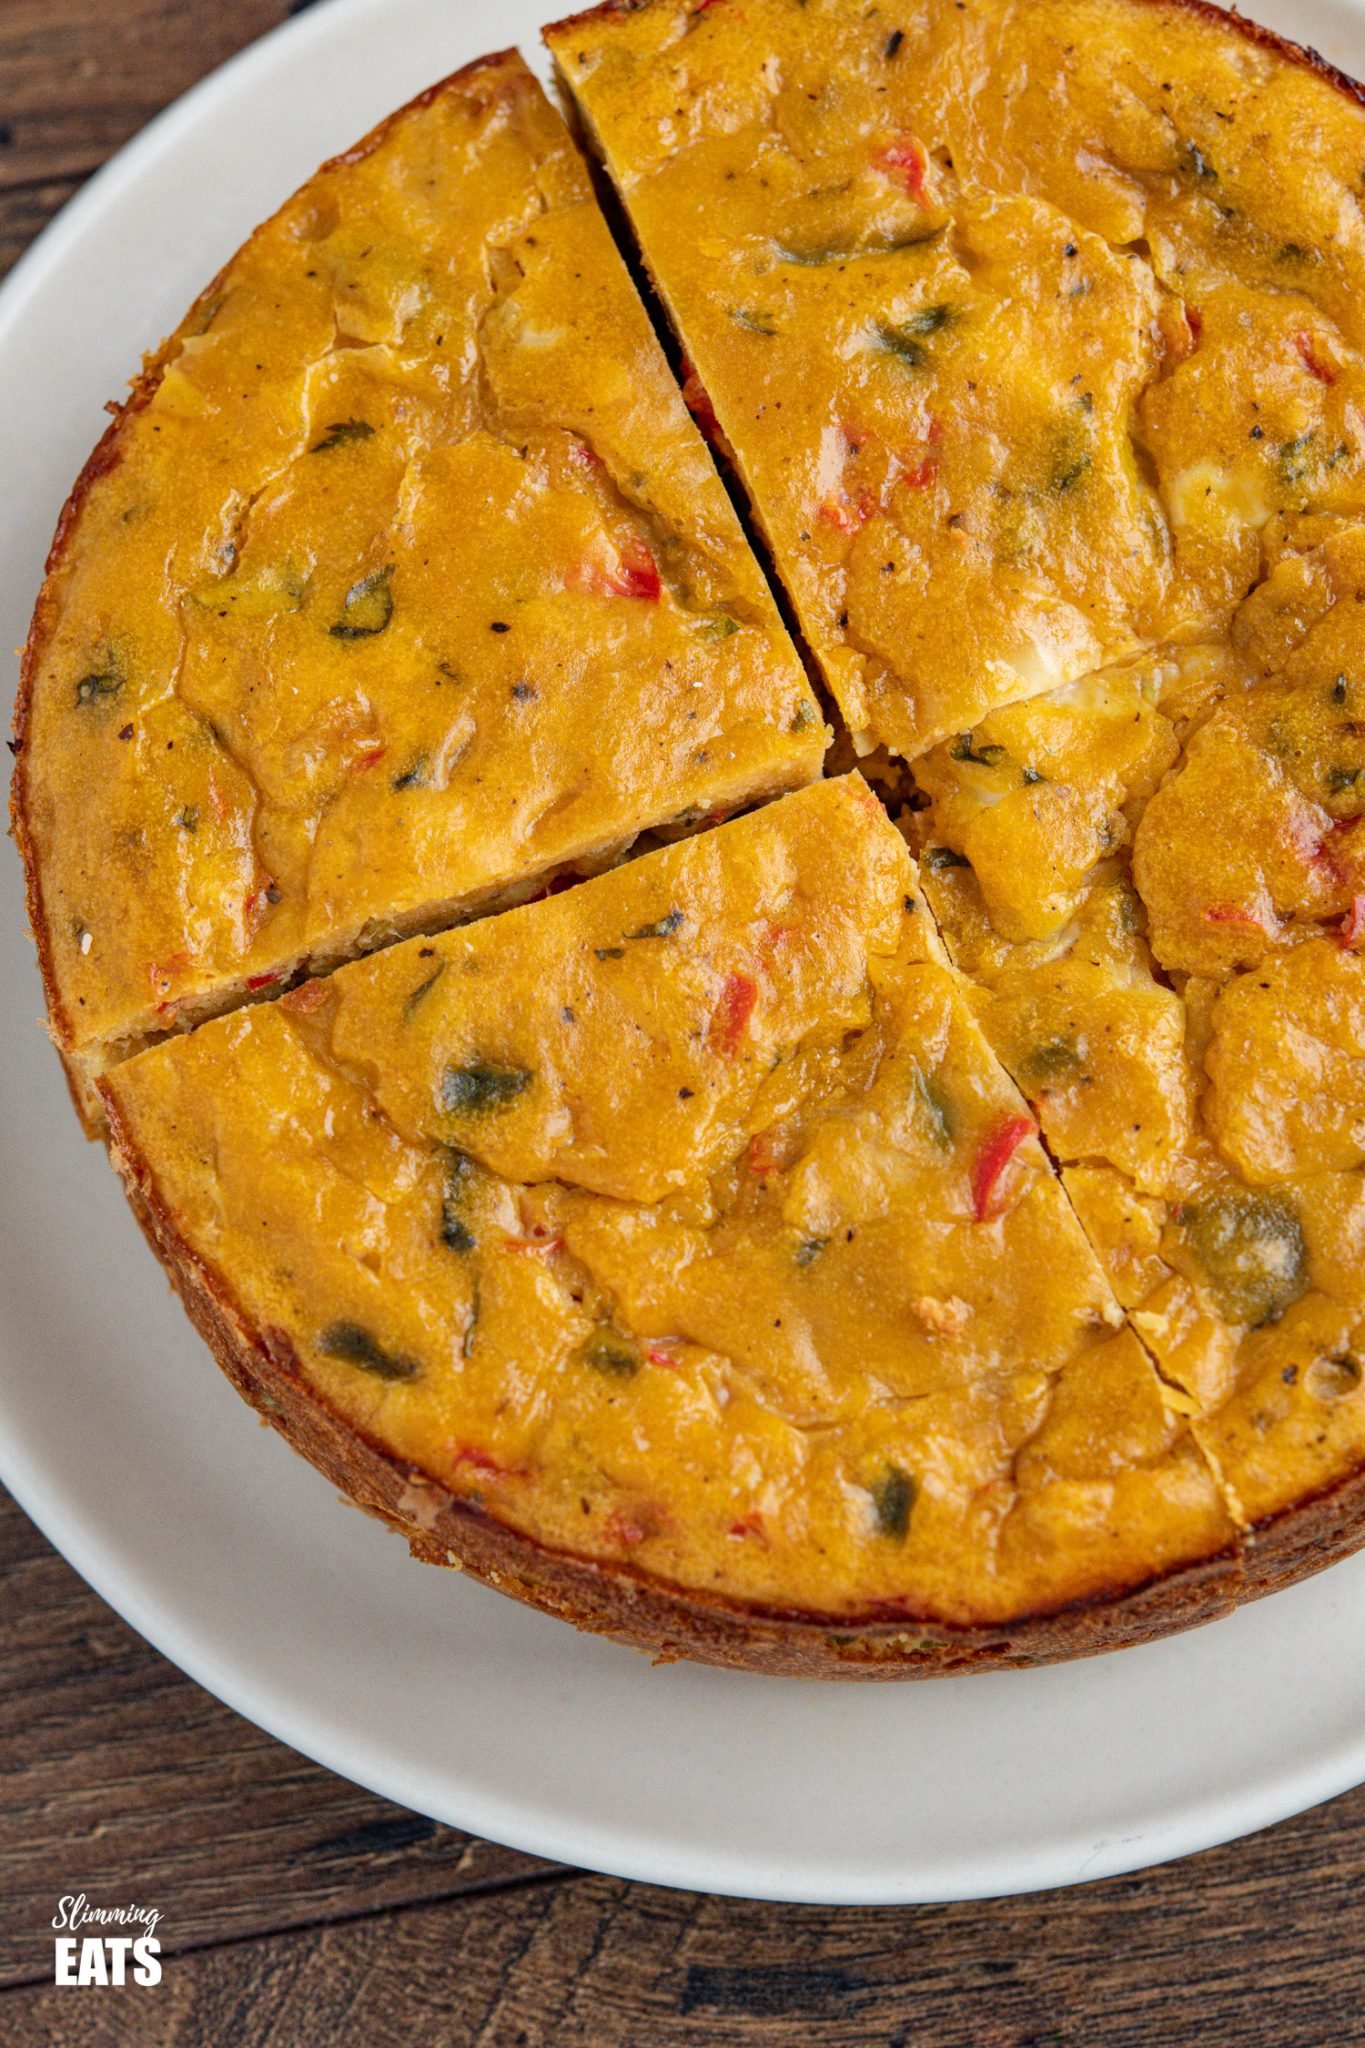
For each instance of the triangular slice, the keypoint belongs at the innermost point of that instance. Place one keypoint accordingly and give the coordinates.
(674, 1252)
(402, 582)
(1018, 320)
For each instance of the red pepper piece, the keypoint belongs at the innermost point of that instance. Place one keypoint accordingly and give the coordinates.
(906, 157)
(636, 574)
(920, 478)
(739, 993)
(161, 974)
(255, 981)
(759, 1157)
(483, 1461)
(993, 1158)
(847, 515)
(1312, 360)
(1232, 913)
(1353, 924)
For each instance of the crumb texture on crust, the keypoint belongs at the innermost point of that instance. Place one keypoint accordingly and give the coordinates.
(403, 582)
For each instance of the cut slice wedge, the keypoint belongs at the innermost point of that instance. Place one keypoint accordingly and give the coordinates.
(401, 583)
(675, 1252)
(1017, 321)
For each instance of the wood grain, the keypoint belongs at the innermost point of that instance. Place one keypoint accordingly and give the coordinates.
(1213, 1952)
(294, 1904)
(122, 1778)
(300, 1911)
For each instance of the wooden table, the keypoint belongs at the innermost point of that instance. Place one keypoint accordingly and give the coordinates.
(300, 1911)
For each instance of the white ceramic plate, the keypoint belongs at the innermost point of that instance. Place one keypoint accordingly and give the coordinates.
(122, 1440)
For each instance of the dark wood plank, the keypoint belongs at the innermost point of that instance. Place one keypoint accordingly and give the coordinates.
(1252, 1947)
(122, 1777)
(78, 77)
(281, 1887)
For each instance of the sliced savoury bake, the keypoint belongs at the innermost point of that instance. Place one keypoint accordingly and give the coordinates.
(1018, 321)
(819, 1243)
(685, 1220)
(1156, 881)
(402, 582)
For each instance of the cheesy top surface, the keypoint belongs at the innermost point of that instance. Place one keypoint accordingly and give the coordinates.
(1021, 322)
(406, 581)
(686, 1220)
(1154, 880)
(778, 1215)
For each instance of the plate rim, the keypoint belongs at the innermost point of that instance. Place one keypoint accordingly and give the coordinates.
(532, 1827)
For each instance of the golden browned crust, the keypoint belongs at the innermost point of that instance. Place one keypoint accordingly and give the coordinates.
(617, 1601)
(106, 456)
(1264, 38)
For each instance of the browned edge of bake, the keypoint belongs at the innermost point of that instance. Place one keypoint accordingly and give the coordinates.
(106, 456)
(1207, 10)
(610, 1599)
(618, 1601)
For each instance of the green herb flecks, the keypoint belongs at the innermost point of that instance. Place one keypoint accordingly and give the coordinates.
(1054, 1061)
(816, 255)
(934, 1102)
(906, 339)
(366, 609)
(103, 679)
(1195, 164)
(354, 1344)
(480, 1089)
(1339, 779)
(1071, 468)
(1293, 459)
(1250, 1248)
(423, 989)
(456, 1234)
(611, 1354)
(718, 627)
(471, 1327)
(935, 858)
(187, 818)
(339, 433)
(414, 775)
(753, 322)
(893, 1498)
(809, 1250)
(989, 756)
(662, 928)
(804, 717)
(610, 952)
